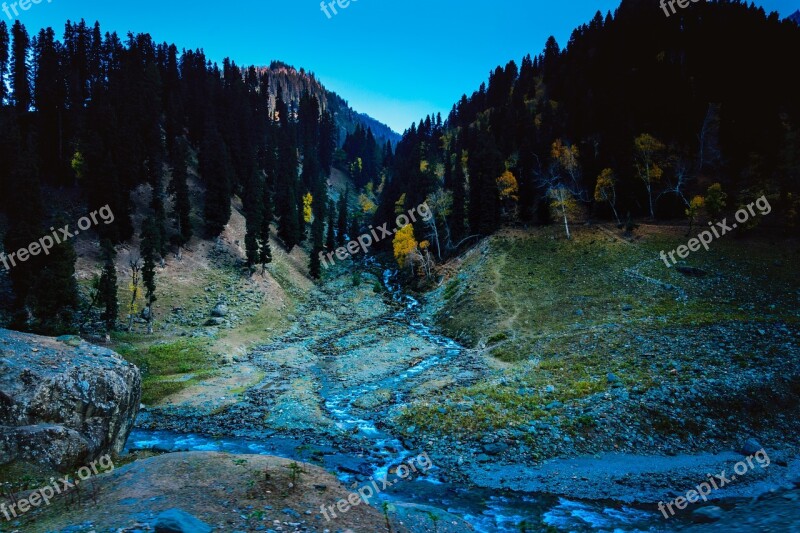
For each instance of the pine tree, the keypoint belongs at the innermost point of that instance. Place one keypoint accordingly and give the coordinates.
(149, 251)
(107, 287)
(20, 73)
(54, 297)
(342, 223)
(288, 199)
(266, 223)
(330, 241)
(254, 212)
(4, 42)
(215, 168)
(179, 188)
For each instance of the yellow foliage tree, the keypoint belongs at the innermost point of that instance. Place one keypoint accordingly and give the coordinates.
(648, 153)
(693, 211)
(308, 200)
(563, 204)
(606, 190)
(715, 200)
(508, 186)
(567, 158)
(400, 205)
(367, 205)
(404, 245)
(508, 190)
(78, 165)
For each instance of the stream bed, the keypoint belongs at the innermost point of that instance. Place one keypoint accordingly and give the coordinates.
(486, 510)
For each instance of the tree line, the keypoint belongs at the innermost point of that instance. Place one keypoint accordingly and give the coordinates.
(637, 117)
(88, 119)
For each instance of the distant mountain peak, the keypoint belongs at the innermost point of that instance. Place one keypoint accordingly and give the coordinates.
(294, 82)
(795, 17)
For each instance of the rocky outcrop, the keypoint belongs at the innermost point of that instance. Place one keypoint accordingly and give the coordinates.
(63, 402)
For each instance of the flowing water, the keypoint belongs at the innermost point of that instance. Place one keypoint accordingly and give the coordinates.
(486, 510)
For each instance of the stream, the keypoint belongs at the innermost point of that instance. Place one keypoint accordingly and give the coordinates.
(488, 511)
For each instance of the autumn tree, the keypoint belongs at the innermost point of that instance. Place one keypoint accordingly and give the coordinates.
(606, 190)
(715, 200)
(648, 152)
(404, 245)
(566, 161)
(563, 203)
(693, 211)
(508, 189)
(563, 182)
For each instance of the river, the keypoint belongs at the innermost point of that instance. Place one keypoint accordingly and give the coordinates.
(487, 511)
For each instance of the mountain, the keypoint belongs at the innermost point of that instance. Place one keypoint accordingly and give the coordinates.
(795, 17)
(296, 82)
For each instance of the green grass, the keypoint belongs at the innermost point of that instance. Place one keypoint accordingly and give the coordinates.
(561, 315)
(167, 366)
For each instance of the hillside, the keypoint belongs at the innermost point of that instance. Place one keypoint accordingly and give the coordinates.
(554, 309)
(295, 83)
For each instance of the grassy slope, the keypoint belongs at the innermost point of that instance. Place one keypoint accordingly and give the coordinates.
(183, 351)
(555, 317)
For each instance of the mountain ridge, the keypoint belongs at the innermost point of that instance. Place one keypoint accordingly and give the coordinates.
(294, 82)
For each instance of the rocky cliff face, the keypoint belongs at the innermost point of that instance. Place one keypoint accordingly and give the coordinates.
(63, 402)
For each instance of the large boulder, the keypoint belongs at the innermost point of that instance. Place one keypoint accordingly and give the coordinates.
(63, 404)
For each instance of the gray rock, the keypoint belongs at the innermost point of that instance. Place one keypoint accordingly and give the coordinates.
(220, 311)
(750, 447)
(216, 321)
(178, 521)
(63, 406)
(495, 448)
(707, 515)
(692, 272)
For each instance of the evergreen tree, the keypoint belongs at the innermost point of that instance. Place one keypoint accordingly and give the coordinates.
(20, 72)
(254, 212)
(266, 221)
(330, 241)
(149, 252)
(4, 48)
(107, 287)
(342, 223)
(179, 188)
(215, 168)
(54, 296)
(288, 201)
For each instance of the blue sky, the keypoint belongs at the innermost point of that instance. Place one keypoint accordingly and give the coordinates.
(395, 60)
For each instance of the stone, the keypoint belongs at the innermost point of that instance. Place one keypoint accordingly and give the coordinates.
(220, 311)
(707, 515)
(692, 272)
(495, 448)
(63, 406)
(750, 447)
(179, 521)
